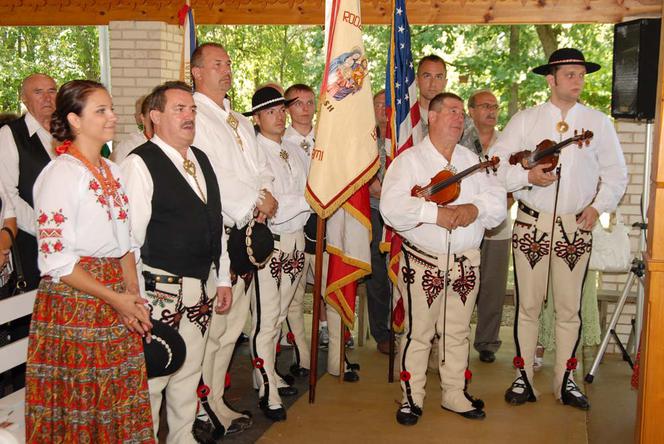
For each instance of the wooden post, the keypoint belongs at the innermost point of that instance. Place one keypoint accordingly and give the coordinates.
(649, 427)
(318, 278)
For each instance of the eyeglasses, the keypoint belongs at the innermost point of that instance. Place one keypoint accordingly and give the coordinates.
(487, 107)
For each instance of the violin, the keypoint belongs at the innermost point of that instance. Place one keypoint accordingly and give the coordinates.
(445, 186)
(547, 151)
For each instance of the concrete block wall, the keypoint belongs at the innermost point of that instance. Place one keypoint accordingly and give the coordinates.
(632, 136)
(143, 55)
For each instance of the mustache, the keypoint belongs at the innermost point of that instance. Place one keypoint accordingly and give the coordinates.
(187, 124)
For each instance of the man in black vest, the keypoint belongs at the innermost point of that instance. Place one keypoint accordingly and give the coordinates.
(25, 149)
(176, 218)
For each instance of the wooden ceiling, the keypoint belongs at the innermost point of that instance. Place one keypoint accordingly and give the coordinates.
(304, 12)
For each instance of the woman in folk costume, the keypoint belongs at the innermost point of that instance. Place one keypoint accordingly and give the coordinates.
(85, 378)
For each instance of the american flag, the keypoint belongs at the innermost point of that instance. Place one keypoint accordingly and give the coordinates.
(403, 113)
(403, 125)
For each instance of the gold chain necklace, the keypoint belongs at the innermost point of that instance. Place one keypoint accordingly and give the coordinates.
(234, 124)
(190, 168)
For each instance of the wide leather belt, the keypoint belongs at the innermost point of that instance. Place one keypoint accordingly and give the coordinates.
(429, 256)
(534, 213)
(151, 279)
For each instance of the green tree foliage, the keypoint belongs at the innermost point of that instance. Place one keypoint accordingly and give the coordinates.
(63, 52)
(495, 57)
(478, 57)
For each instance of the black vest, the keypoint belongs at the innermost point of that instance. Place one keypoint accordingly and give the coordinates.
(184, 234)
(32, 158)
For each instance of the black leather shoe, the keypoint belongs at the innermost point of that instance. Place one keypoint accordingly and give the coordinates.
(353, 366)
(407, 415)
(287, 391)
(573, 396)
(299, 372)
(487, 356)
(203, 432)
(476, 402)
(239, 425)
(351, 376)
(274, 414)
(470, 414)
(519, 393)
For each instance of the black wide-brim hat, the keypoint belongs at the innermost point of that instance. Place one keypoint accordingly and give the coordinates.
(165, 354)
(566, 56)
(249, 247)
(266, 97)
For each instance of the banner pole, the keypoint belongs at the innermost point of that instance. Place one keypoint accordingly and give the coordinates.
(315, 316)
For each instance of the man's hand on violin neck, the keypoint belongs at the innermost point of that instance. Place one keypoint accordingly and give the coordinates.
(537, 176)
(588, 218)
(454, 216)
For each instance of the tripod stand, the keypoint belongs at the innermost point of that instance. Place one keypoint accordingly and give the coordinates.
(637, 271)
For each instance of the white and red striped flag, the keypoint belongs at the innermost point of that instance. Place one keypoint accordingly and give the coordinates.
(186, 18)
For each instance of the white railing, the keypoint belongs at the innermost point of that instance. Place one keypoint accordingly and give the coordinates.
(12, 407)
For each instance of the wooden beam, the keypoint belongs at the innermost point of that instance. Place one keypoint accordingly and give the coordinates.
(649, 427)
(306, 12)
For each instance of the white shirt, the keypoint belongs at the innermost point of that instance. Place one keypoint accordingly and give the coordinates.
(290, 180)
(504, 230)
(140, 188)
(127, 145)
(6, 207)
(415, 219)
(25, 215)
(74, 218)
(242, 171)
(601, 163)
(304, 144)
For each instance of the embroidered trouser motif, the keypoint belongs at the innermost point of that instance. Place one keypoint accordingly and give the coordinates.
(277, 283)
(531, 246)
(422, 284)
(224, 332)
(191, 307)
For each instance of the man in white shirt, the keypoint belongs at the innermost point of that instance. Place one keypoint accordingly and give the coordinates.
(441, 245)
(245, 184)
(552, 236)
(483, 109)
(25, 149)
(279, 279)
(176, 218)
(431, 81)
(300, 138)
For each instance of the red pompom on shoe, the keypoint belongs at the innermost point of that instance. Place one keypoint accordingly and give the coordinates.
(468, 375)
(518, 362)
(257, 362)
(203, 391)
(571, 363)
(404, 376)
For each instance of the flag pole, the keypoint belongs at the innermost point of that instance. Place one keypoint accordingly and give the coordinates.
(315, 317)
(342, 351)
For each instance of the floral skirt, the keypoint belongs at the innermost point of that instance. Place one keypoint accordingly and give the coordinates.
(85, 378)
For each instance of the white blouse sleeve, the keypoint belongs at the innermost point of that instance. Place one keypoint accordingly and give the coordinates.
(57, 194)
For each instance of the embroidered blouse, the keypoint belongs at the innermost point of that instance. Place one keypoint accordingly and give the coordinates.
(74, 218)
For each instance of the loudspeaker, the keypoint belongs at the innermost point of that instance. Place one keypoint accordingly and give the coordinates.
(635, 64)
